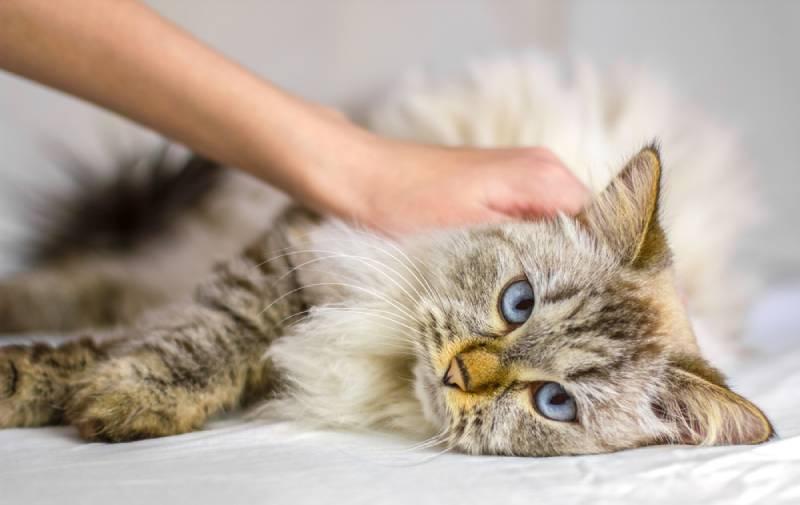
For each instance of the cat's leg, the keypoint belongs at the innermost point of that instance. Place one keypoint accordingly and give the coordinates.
(75, 295)
(191, 362)
(35, 380)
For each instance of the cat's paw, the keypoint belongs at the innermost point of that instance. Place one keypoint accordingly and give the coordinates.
(124, 401)
(9, 377)
(28, 390)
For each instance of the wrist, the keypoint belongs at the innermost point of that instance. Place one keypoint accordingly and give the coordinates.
(311, 152)
(338, 172)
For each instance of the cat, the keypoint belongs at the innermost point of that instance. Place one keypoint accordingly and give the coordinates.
(562, 336)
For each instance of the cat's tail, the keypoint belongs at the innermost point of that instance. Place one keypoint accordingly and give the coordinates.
(114, 241)
(140, 200)
(119, 240)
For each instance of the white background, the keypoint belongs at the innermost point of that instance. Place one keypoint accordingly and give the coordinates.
(739, 60)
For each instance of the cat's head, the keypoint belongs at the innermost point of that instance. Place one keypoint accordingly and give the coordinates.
(569, 336)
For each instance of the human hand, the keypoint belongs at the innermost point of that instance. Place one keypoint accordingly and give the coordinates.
(401, 187)
(420, 187)
(312, 153)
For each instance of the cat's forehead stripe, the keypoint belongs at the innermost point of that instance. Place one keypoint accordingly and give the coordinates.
(560, 294)
(617, 328)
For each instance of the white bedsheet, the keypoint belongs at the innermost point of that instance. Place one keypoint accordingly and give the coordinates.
(233, 462)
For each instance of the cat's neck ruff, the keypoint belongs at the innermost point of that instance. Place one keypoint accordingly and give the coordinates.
(349, 363)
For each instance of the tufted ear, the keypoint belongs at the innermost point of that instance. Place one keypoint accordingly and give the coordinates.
(625, 214)
(700, 409)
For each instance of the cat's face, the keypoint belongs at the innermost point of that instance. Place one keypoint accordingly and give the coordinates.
(568, 337)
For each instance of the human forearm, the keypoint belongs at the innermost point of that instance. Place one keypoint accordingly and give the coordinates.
(121, 55)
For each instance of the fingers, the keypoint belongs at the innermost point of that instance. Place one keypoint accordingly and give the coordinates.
(423, 188)
(536, 184)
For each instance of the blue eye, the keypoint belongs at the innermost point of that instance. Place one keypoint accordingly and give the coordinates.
(516, 302)
(553, 402)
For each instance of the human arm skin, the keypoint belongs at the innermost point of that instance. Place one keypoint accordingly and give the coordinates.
(121, 55)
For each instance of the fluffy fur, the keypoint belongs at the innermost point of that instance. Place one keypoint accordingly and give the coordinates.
(320, 322)
(593, 122)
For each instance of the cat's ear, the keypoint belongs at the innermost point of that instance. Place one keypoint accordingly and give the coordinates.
(699, 409)
(625, 214)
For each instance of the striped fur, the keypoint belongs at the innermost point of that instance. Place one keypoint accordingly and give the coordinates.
(320, 322)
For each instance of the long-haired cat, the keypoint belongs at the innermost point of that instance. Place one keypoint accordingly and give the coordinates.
(564, 336)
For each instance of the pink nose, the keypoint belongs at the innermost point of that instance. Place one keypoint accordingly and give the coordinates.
(474, 370)
(456, 375)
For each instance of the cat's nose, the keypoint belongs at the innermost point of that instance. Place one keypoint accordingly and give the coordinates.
(473, 370)
(455, 377)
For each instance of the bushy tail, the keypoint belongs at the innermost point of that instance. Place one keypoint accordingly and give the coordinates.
(138, 201)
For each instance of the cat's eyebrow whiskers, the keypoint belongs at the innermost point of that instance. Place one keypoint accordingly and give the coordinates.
(387, 315)
(408, 264)
(389, 323)
(389, 319)
(416, 272)
(365, 260)
(394, 303)
(379, 314)
(340, 284)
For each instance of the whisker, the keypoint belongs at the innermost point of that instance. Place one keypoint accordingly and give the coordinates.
(367, 261)
(339, 284)
(349, 235)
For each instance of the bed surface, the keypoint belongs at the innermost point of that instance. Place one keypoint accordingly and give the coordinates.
(235, 462)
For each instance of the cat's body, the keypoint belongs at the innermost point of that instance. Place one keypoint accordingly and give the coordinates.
(321, 322)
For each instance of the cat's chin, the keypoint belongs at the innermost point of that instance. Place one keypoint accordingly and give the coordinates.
(428, 390)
